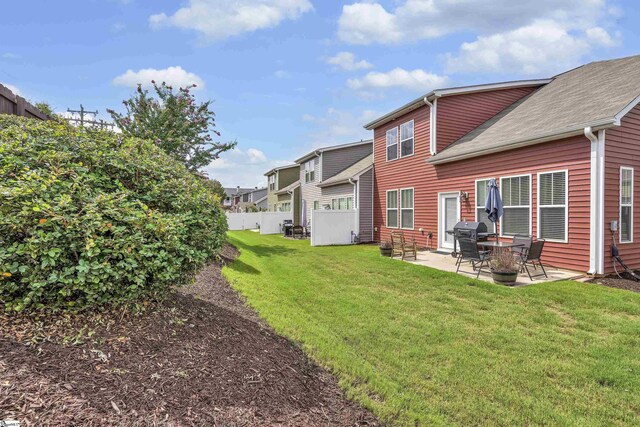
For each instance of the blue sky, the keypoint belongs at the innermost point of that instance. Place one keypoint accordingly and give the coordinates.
(288, 76)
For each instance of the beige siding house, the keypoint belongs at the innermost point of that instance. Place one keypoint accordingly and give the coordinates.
(279, 179)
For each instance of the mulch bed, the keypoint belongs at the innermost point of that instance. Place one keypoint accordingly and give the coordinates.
(202, 357)
(613, 281)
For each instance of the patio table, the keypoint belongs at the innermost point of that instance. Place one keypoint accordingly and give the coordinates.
(500, 245)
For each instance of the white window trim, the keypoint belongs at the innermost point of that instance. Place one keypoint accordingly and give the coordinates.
(311, 169)
(566, 206)
(413, 209)
(386, 147)
(475, 190)
(346, 202)
(413, 137)
(387, 209)
(633, 177)
(530, 207)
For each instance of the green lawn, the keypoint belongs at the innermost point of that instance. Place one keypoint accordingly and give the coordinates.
(423, 347)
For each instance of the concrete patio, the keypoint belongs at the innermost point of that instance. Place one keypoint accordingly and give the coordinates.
(445, 262)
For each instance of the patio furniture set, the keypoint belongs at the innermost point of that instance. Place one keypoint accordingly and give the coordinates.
(295, 231)
(525, 251)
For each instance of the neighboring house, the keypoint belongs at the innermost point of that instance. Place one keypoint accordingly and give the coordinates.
(232, 196)
(349, 189)
(277, 180)
(247, 200)
(288, 200)
(261, 204)
(563, 150)
(322, 164)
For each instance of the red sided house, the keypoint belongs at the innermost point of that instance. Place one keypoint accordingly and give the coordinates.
(564, 151)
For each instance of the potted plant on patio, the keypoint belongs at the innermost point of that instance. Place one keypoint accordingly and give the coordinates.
(385, 248)
(504, 268)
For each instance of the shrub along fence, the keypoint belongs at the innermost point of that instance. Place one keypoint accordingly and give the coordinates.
(90, 218)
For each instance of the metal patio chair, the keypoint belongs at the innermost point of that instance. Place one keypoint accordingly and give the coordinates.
(532, 257)
(470, 253)
(522, 239)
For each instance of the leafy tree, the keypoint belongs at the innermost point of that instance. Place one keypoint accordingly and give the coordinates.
(45, 108)
(215, 187)
(175, 122)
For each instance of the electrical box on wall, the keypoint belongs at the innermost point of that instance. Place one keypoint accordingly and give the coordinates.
(613, 225)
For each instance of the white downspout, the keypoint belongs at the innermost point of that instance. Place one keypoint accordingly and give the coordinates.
(596, 232)
(432, 124)
(356, 195)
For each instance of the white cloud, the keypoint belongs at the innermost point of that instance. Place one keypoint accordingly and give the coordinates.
(414, 80)
(347, 61)
(522, 36)
(369, 22)
(10, 55)
(543, 47)
(118, 27)
(219, 19)
(173, 76)
(282, 74)
(337, 127)
(245, 168)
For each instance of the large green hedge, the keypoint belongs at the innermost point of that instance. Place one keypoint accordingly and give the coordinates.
(90, 218)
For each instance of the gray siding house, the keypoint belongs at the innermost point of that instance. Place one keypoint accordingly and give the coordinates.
(331, 177)
(352, 188)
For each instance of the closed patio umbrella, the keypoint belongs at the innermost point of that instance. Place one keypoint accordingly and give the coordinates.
(493, 204)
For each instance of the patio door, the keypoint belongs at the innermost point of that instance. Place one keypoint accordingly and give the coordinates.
(448, 217)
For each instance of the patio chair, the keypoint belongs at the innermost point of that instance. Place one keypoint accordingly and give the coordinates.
(532, 257)
(400, 246)
(470, 253)
(524, 240)
(298, 232)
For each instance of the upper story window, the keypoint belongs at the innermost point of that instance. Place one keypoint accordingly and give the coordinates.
(246, 197)
(626, 205)
(516, 199)
(392, 144)
(552, 205)
(272, 182)
(406, 139)
(309, 170)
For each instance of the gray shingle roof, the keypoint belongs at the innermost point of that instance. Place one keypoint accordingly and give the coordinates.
(351, 172)
(591, 95)
(317, 151)
(288, 188)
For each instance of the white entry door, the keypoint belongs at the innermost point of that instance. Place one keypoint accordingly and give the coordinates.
(448, 217)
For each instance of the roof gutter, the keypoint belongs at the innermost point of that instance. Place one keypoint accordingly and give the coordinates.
(550, 136)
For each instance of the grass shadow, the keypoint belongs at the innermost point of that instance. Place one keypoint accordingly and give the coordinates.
(242, 267)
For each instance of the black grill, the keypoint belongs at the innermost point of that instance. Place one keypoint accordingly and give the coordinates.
(287, 227)
(470, 230)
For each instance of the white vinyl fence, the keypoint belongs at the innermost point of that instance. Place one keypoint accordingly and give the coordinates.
(271, 222)
(266, 222)
(333, 227)
(243, 220)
